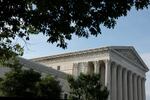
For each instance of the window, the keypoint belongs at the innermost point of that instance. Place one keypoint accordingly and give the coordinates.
(58, 67)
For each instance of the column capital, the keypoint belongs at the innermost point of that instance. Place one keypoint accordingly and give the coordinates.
(125, 70)
(134, 74)
(143, 78)
(106, 60)
(130, 72)
(119, 67)
(114, 65)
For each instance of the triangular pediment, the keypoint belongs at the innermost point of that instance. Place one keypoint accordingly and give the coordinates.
(131, 54)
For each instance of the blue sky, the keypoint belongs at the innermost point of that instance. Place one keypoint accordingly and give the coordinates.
(132, 30)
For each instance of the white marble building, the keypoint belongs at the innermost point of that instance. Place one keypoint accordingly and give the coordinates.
(122, 69)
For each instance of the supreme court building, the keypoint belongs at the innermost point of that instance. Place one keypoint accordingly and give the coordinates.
(122, 70)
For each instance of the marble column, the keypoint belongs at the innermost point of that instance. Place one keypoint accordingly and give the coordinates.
(130, 87)
(135, 95)
(85, 67)
(90, 67)
(119, 83)
(75, 69)
(143, 89)
(80, 67)
(139, 89)
(96, 67)
(114, 82)
(107, 76)
(102, 72)
(125, 86)
(107, 73)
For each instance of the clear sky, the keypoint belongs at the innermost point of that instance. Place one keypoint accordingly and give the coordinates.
(132, 30)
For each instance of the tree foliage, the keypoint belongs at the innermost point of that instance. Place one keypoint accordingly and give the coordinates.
(87, 87)
(49, 87)
(53, 17)
(58, 19)
(28, 83)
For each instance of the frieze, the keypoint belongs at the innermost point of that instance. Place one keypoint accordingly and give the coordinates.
(126, 52)
(71, 54)
(91, 55)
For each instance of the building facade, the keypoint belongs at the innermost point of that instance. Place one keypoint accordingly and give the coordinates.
(121, 69)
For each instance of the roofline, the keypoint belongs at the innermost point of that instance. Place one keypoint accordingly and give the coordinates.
(147, 69)
(91, 50)
(78, 52)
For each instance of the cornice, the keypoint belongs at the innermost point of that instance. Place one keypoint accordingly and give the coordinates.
(79, 52)
(107, 48)
(71, 54)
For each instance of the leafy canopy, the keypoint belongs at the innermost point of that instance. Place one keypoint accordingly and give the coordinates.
(87, 87)
(58, 19)
(28, 83)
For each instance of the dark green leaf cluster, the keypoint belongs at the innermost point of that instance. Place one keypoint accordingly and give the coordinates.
(8, 52)
(14, 22)
(60, 19)
(28, 83)
(57, 19)
(49, 87)
(87, 87)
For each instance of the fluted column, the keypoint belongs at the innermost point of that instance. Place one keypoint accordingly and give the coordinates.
(102, 73)
(135, 95)
(107, 76)
(125, 91)
(130, 87)
(139, 89)
(96, 67)
(80, 66)
(143, 89)
(114, 82)
(75, 69)
(107, 73)
(85, 67)
(120, 83)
